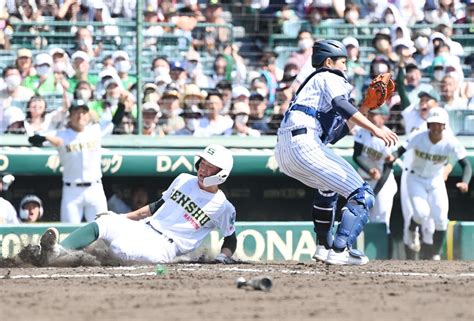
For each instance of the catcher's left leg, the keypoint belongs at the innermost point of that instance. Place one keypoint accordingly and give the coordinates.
(324, 206)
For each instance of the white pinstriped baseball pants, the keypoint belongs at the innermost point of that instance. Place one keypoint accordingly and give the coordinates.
(305, 158)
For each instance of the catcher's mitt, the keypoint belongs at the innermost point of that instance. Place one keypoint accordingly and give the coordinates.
(380, 89)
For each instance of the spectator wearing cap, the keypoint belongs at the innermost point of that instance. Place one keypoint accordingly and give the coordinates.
(305, 49)
(79, 149)
(31, 209)
(24, 63)
(415, 115)
(61, 63)
(123, 66)
(172, 119)
(178, 75)
(191, 118)
(38, 118)
(213, 123)
(81, 66)
(450, 96)
(355, 70)
(257, 118)
(193, 96)
(151, 114)
(8, 214)
(240, 93)
(151, 92)
(44, 82)
(240, 113)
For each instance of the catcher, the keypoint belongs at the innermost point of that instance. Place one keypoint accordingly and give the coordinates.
(174, 225)
(320, 113)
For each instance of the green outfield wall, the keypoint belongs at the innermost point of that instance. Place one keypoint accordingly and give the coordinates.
(266, 241)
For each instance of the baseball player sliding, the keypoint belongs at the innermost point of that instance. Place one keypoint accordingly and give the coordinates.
(426, 188)
(176, 224)
(320, 113)
(79, 147)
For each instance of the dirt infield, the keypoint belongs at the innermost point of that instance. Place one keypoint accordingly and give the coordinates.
(381, 290)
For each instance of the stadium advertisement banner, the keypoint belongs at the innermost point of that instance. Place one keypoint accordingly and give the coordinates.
(266, 241)
(256, 241)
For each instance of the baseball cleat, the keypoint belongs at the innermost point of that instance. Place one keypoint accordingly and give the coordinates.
(414, 241)
(321, 253)
(346, 257)
(49, 238)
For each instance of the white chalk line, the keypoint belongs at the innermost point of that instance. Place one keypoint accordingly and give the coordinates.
(203, 268)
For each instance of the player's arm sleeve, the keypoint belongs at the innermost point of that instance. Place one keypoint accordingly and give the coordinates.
(230, 243)
(156, 205)
(357, 157)
(119, 113)
(387, 169)
(399, 152)
(343, 107)
(401, 88)
(467, 170)
(166, 194)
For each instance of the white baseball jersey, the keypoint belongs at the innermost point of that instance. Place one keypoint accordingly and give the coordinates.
(373, 154)
(8, 213)
(425, 182)
(81, 154)
(81, 159)
(189, 213)
(186, 217)
(429, 159)
(304, 156)
(413, 124)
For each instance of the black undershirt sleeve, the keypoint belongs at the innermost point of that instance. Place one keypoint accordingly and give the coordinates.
(155, 205)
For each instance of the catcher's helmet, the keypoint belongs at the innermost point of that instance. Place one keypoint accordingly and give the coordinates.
(327, 48)
(218, 156)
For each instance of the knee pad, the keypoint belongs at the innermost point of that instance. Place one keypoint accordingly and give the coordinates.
(355, 216)
(324, 205)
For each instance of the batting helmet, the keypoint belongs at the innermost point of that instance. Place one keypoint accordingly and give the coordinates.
(438, 115)
(218, 156)
(327, 49)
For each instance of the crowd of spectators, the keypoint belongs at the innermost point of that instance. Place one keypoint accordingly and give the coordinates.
(216, 85)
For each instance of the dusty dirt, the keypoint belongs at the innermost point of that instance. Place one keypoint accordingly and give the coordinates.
(381, 290)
